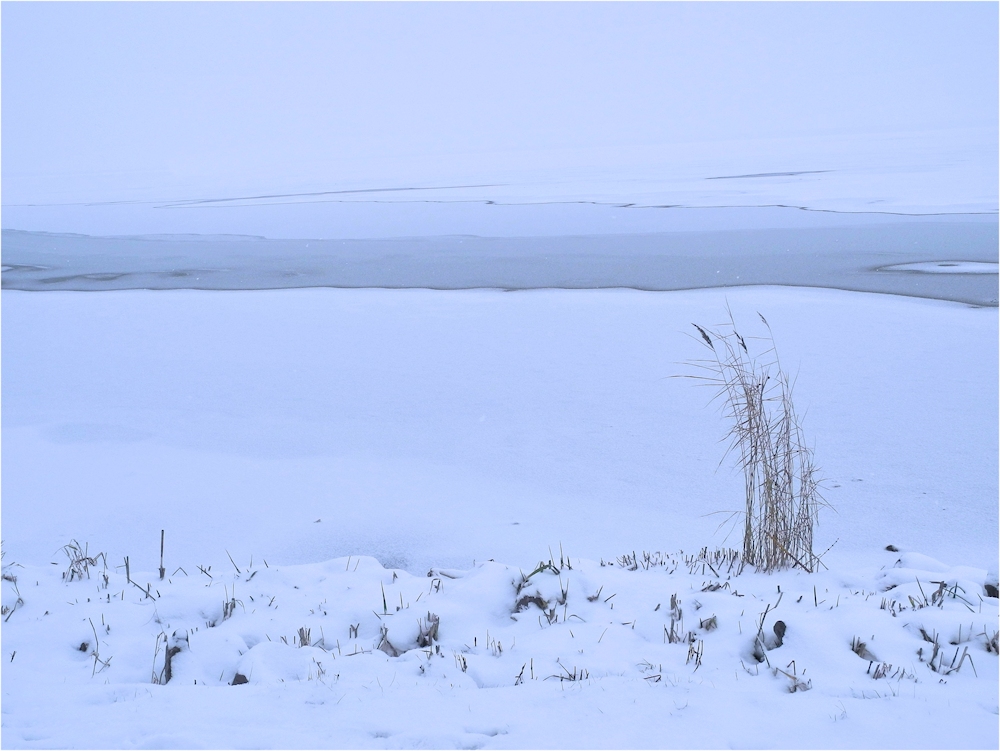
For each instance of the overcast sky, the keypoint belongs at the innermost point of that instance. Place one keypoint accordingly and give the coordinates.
(96, 96)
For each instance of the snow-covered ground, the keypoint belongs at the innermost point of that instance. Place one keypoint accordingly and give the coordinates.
(646, 652)
(318, 452)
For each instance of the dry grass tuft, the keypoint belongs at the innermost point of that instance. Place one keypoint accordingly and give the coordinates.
(80, 562)
(782, 486)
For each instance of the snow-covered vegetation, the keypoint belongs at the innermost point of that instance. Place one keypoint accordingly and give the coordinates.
(667, 649)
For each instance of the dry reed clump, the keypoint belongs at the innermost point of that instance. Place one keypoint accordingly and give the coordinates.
(782, 486)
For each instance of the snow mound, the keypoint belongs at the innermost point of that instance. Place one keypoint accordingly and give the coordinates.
(642, 635)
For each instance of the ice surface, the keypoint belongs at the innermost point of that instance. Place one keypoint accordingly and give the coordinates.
(848, 255)
(946, 267)
(711, 185)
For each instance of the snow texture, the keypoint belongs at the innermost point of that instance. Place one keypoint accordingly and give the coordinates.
(640, 651)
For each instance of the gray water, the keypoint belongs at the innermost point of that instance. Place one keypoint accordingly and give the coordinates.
(849, 258)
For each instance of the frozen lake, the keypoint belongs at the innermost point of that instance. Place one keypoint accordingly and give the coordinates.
(421, 425)
(356, 314)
